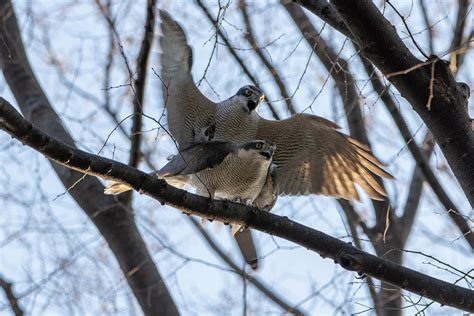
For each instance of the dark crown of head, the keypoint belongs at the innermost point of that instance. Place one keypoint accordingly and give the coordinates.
(249, 87)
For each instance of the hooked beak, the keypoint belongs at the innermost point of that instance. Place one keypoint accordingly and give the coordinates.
(262, 98)
(268, 154)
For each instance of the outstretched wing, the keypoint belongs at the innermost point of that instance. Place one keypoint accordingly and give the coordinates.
(188, 109)
(197, 158)
(313, 157)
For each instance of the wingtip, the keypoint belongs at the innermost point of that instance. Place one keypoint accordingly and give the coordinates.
(164, 14)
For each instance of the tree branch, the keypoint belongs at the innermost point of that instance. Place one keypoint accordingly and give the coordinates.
(438, 99)
(345, 83)
(353, 220)
(429, 28)
(140, 84)
(11, 297)
(326, 12)
(383, 91)
(457, 51)
(342, 253)
(114, 221)
(250, 37)
(234, 54)
(414, 193)
(259, 285)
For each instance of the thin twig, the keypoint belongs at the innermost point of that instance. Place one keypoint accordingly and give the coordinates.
(408, 29)
(250, 37)
(236, 57)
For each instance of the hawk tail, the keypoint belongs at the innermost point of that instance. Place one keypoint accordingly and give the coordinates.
(115, 188)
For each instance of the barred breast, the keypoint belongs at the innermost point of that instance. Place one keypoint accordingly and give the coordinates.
(241, 175)
(234, 123)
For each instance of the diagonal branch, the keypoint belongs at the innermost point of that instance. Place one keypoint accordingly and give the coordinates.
(457, 50)
(414, 192)
(342, 253)
(259, 285)
(422, 162)
(429, 27)
(345, 83)
(114, 221)
(326, 12)
(11, 297)
(250, 37)
(140, 84)
(439, 100)
(234, 54)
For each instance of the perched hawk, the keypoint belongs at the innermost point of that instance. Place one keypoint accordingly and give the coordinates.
(312, 156)
(223, 170)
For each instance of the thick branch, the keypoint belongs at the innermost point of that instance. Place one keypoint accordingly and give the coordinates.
(326, 12)
(341, 252)
(430, 87)
(11, 297)
(114, 221)
(345, 83)
(422, 162)
(140, 83)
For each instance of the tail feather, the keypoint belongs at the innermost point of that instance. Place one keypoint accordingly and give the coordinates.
(247, 247)
(115, 188)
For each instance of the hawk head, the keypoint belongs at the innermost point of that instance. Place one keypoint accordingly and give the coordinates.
(262, 147)
(252, 96)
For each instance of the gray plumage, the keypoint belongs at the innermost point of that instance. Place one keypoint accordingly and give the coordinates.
(237, 172)
(269, 194)
(223, 169)
(218, 169)
(312, 156)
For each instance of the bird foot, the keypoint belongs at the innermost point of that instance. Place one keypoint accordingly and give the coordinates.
(256, 210)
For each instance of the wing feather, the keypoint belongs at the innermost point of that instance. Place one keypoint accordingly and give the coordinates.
(187, 108)
(197, 158)
(314, 157)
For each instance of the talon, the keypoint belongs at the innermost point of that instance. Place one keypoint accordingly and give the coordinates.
(256, 210)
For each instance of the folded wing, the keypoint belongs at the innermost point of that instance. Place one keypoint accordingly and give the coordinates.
(196, 158)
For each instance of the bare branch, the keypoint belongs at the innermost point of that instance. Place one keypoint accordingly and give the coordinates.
(11, 297)
(342, 253)
(236, 57)
(429, 28)
(140, 84)
(457, 55)
(258, 284)
(250, 37)
(345, 83)
(387, 51)
(326, 12)
(414, 193)
(419, 157)
(353, 220)
(114, 221)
